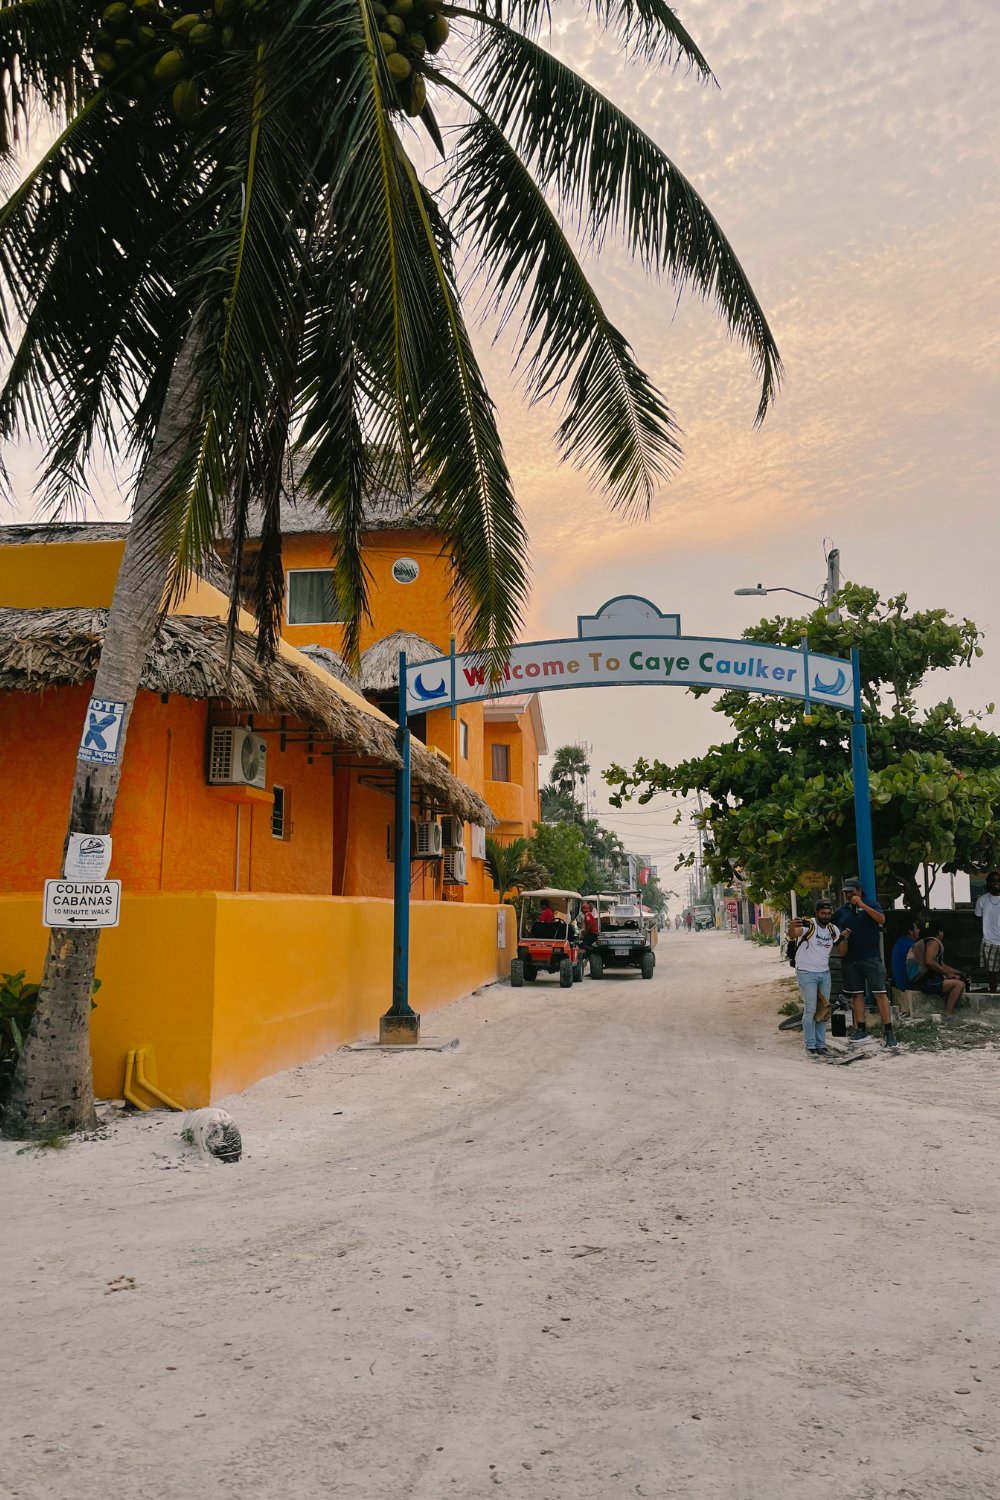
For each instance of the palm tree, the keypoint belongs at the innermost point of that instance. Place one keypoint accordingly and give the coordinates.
(510, 870)
(228, 244)
(569, 766)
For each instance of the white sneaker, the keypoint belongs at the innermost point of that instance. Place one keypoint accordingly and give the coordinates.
(856, 1043)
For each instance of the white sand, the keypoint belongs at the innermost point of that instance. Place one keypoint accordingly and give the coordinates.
(624, 1241)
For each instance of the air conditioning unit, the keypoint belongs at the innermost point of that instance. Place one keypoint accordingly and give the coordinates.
(452, 831)
(427, 844)
(238, 758)
(478, 840)
(454, 867)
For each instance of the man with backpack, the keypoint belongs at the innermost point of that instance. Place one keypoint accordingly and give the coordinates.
(815, 939)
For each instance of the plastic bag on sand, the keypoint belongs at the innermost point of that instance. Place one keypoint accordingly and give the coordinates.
(214, 1133)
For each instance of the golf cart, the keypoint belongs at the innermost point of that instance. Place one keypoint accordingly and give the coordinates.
(550, 947)
(704, 918)
(626, 937)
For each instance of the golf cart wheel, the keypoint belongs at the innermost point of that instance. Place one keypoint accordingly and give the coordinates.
(530, 973)
(791, 1023)
(578, 971)
(516, 973)
(565, 975)
(596, 966)
(648, 964)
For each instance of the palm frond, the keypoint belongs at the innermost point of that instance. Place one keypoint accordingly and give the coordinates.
(464, 456)
(615, 423)
(649, 29)
(41, 62)
(614, 180)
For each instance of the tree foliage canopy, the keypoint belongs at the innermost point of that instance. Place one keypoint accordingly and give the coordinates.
(242, 177)
(779, 795)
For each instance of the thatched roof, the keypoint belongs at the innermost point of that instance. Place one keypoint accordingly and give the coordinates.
(380, 663)
(331, 661)
(45, 648)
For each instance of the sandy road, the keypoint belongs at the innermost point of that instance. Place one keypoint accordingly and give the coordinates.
(625, 1241)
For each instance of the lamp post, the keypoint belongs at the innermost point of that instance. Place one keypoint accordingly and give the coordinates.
(830, 588)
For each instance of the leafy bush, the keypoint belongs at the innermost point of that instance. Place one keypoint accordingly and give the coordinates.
(17, 1006)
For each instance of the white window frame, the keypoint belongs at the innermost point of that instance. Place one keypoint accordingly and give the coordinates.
(289, 572)
(463, 739)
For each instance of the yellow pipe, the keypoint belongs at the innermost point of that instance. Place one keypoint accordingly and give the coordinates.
(151, 1088)
(127, 1090)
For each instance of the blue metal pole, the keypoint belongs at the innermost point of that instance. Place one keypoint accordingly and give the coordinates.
(805, 667)
(454, 706)
(862, 803)
(401, 882)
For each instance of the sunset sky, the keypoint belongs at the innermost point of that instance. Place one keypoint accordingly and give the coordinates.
(850, 153)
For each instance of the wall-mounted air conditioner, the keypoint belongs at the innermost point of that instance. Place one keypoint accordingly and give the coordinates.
(454, 867)
(478, 840)
(427, 844)
(452, 831)
(238, 757)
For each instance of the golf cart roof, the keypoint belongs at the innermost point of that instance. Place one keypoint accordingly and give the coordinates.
(549, 893)
(622, 897)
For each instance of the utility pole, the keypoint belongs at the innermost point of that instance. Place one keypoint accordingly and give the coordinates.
(833, 581)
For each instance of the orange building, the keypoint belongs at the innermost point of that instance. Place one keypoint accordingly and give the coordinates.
(268, 905)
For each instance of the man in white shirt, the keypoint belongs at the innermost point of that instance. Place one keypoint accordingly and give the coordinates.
(816, 939)
(988, 911)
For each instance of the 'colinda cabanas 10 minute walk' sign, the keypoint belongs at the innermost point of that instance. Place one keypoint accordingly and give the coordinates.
(630, 643)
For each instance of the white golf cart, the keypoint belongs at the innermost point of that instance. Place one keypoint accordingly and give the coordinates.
(627, 935)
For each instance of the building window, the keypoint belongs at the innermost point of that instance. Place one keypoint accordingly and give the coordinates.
(311, 597)
(463, 739)
(501, 763)
(281, 825)
(534, 778)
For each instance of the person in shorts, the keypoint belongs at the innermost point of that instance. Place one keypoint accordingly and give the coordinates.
(927, 971)
(861, 922)
(988, 912)
(815, 939)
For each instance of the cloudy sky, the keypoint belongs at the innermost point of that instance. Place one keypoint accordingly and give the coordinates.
(850, 152)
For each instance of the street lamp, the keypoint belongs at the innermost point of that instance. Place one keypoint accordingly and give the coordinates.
(830, 588)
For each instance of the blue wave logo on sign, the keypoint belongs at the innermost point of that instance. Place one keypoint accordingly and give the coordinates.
(833, 688)
(426, 693)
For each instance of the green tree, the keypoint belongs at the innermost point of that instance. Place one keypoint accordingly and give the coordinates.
(779, 796)
(561, 849)
(228, 242)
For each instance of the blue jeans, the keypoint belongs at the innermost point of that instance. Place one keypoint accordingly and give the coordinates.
(811, 986)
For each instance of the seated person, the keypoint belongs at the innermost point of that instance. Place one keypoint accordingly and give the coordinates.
(927, 971)
(900, 949)
(590, 925)
(547, 914)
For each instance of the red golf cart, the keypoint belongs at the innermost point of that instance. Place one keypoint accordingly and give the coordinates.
(550, 946)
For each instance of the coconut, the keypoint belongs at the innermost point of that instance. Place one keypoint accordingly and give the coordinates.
(398, 66)
(185, 24)
(394, 24)
(418, 95)
(116, 15)
(186, 101)
(202, 36)
(124, 49)
(402, 7)
(104, 62)
(415, 43)
(170, 66)
(226, 8)
(145, 36)
(388, 42)
(228, 36)
(379, 12)
(436, 31)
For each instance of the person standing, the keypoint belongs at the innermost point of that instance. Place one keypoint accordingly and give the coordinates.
(688, 921)
(988, 912)
(861, 922)
(817, 937)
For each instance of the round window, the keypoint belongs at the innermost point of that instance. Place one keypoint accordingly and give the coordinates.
(405, 570)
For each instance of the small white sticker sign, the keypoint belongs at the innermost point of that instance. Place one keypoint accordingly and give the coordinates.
(88, 856)
(102, 732)
(501, 927)
(82, 903)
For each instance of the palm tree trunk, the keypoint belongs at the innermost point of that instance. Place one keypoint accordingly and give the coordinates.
(52, 1088)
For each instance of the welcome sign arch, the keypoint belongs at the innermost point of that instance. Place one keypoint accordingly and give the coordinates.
(627, 643)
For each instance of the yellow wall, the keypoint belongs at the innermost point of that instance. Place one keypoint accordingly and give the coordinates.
(50, 575)
(228, 989)
(423, 606)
